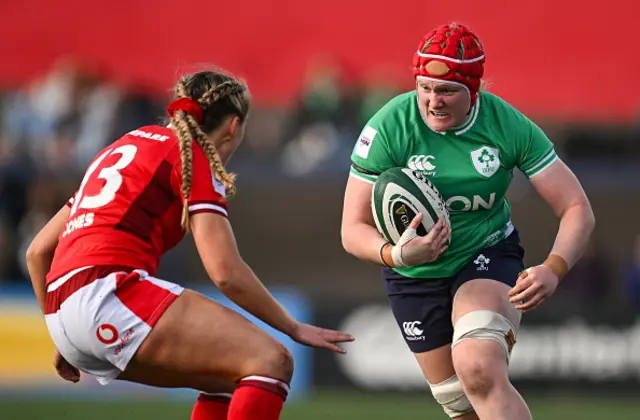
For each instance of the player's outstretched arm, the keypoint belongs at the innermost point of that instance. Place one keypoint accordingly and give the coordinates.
(40, 253)
(218, 250)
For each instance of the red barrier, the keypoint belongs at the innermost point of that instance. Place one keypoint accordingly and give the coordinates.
(555, 58)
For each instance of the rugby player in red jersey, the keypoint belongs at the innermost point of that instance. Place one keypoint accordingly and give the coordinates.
(93, 265)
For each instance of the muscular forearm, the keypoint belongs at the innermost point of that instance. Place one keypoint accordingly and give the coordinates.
(242, 286)
(363, 241)
(576, 226)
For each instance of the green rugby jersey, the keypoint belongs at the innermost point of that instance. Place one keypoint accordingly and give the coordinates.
(471, 165)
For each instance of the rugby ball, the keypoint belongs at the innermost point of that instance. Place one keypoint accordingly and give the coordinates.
(398, 195)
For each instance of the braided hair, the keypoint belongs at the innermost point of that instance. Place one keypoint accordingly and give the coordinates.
(219, 96)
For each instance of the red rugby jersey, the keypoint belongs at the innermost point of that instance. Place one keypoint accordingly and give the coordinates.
(128, 207)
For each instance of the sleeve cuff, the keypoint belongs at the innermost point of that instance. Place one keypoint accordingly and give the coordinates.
(541, 165)
(370, 178)
(207, 208)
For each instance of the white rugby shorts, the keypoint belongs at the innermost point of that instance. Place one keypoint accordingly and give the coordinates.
(99, 316)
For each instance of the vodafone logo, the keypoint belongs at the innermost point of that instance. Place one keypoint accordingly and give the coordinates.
(107, 334)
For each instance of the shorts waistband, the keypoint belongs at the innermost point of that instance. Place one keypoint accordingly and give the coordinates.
(61, 289)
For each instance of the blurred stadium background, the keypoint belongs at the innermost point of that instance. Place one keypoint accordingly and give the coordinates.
(75, 75)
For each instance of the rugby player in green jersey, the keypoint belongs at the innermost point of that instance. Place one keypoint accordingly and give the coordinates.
(459, 304)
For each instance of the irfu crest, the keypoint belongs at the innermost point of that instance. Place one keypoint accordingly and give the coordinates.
(486, 160)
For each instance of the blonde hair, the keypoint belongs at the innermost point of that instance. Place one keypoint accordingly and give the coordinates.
(219, 96)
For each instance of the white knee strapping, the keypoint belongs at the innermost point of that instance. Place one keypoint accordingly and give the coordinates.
(486, 325)
(450, 396)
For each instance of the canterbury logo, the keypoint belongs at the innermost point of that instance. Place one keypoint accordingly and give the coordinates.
(421, 163)
(411, 329)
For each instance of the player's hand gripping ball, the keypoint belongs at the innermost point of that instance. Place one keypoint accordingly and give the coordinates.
(410, 213)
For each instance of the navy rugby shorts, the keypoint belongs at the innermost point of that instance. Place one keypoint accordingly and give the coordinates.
(422, 307)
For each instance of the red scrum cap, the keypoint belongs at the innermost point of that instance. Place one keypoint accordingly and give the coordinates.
(451, 53)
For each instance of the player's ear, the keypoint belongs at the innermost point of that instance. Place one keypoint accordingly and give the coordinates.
(233, 127)
(228, 130)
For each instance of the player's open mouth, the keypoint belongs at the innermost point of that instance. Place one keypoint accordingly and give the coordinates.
(439, 114)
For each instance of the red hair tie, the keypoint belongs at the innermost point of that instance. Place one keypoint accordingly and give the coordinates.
(188, 105)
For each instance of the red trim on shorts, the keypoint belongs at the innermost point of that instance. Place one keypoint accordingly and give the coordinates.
(57, 297)
(144, 298)
(87, 276)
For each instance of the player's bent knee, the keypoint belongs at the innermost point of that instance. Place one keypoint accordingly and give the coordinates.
(485, 325)
(451, 397)
(274, 361)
